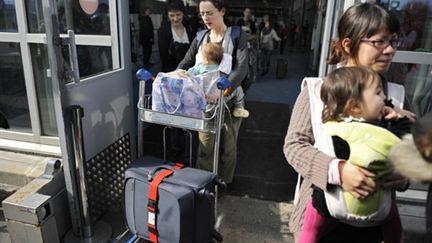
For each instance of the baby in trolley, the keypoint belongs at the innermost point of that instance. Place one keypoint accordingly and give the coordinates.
(193, 92)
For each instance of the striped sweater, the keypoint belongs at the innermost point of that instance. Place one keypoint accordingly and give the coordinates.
(312, 164)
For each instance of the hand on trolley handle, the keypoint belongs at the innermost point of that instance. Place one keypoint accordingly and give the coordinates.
(143, 74)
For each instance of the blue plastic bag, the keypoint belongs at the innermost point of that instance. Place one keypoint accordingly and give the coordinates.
(178, 93)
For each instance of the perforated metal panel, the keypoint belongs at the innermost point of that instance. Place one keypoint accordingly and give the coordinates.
(104, 176)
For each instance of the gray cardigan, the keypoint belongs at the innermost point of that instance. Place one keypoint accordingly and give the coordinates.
(240, 67)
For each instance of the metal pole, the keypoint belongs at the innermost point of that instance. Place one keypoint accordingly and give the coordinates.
(78, 144)
(328, 26)
(219, 124)
(141, 103)
(57, 74)
(81, 225)
(73, 57)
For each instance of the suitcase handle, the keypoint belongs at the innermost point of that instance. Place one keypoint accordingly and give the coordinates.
(155, 170)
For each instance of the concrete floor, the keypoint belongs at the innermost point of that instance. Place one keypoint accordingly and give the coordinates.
(243, 220)
(257, 206)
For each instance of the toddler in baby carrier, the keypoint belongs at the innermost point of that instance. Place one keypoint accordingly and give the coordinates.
(213, 63)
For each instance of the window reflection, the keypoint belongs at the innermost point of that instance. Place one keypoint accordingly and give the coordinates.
(416, 34)
(13, 95)
(418, 87)
(413, 16)
(39, 57)
(73, 16)
(97, 23)
(8, 21)
(93, 60)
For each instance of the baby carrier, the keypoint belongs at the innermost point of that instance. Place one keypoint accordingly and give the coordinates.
(231, 50)
(342, 205)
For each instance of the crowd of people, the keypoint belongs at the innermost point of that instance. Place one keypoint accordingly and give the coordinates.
(179, 49)
(338, 140)
(264, 38)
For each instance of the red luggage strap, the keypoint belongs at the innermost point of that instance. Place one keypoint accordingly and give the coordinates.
(153, 198)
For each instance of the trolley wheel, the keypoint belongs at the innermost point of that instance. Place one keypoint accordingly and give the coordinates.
(217, 236)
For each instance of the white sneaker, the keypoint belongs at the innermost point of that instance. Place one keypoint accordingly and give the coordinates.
(240, 112)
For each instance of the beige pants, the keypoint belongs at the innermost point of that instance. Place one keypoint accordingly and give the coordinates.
(227, 150)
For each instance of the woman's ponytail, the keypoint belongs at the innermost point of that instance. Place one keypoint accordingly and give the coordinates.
(337, 53)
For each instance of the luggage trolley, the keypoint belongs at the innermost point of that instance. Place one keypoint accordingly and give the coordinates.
(211, 125)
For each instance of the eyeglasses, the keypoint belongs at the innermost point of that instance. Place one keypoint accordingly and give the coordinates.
(395, 43)
(208, 13)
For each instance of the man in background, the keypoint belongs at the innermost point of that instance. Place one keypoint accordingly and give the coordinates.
(146, 36)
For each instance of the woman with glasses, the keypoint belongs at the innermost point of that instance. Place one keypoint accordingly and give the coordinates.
(368, 37)
(212, 13)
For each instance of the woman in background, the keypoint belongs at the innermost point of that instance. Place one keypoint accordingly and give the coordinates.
(174, 36)
(268, 35)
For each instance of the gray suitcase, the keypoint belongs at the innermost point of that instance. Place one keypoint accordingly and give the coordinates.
(184, 208)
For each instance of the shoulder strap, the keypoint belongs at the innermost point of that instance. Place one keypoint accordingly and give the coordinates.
(396, 93)
(235, 36)
(200, 36)
(322, 141)
(235, 32)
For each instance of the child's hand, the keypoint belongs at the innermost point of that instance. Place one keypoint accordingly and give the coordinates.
(388, 114)
(212, 98)
(356, 180)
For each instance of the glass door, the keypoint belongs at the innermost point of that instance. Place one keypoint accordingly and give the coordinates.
(100, 81)
(90, 67)
(412, 64)
(26, 91)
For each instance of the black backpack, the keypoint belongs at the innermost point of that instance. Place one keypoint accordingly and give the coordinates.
(235, 36)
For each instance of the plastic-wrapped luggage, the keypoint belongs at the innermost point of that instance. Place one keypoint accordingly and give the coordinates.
(178, 93)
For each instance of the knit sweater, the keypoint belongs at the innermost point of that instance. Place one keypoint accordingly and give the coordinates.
(312, 164)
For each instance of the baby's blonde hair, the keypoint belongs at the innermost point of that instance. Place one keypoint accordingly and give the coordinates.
(213, 52)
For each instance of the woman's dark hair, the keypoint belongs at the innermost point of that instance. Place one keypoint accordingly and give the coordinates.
(175, 5)
(219, 4)
(359, 21)
(342, 89)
